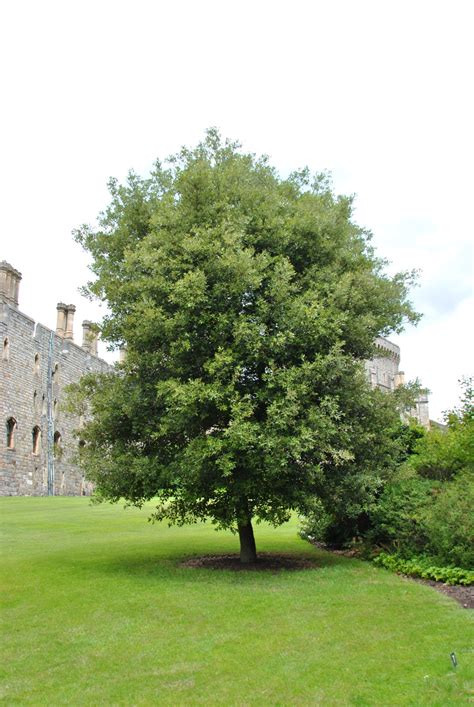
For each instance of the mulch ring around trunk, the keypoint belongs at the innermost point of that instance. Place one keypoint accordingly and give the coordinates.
(266, 561)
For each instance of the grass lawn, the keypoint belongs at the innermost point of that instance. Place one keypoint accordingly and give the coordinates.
(97, 610)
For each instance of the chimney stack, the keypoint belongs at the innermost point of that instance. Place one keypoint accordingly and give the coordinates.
(9, 284)
(399, 379)
(89, 337)
(70, 311)
(65, 320)
(61, 320)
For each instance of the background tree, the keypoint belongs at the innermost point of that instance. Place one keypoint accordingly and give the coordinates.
(426, 508)
(247, 303)
(444, 453)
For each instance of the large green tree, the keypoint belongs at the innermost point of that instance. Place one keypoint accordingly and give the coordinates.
(246, 303)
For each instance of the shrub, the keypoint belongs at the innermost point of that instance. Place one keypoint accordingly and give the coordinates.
(315, 523)
(448, 523)
(397, 520)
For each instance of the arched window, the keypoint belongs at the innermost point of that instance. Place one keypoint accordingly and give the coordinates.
(58, 448)
(43, 405)
(37, 364)
(11, 430)
(54, 373)
(35, 400)
(6, 349)
(36, 440)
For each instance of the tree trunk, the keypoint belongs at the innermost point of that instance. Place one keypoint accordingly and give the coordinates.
(248, 551)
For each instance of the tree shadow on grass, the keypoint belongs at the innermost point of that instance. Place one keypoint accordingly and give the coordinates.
(266, 562)
(200, 566)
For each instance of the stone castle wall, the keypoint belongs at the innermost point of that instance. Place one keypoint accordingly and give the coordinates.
(383, 372)
(33, 380)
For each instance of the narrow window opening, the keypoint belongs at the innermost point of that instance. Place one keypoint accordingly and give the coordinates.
(36, 440)
(6, 349)
(11, 430)
(55, 408)
(37, 364)
(57, 445)
(43, 405)
(54, 374)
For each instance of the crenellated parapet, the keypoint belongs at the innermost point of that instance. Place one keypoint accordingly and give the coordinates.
(383, 373)
(388, 348)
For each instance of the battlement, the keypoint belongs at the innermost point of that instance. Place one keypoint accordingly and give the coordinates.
(388, 348)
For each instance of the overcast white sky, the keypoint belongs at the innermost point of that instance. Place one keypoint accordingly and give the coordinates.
(378, 92)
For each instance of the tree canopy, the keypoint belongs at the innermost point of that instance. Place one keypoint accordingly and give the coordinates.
(446, 452)
(246, 303)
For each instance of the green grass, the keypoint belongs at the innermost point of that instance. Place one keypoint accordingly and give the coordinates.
(97, 611)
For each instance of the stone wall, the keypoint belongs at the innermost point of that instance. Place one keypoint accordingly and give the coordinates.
(26, 367)
(383, 372)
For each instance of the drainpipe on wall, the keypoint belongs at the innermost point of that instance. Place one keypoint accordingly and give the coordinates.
(49, 400)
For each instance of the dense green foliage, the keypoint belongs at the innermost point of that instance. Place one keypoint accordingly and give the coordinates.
(246, 303)
(444, 453)
(97, 610)
(416, 516)
(449, 523)
(422, 567)
(391, 508)
(429, 507)
(396, 520)
(426, 507)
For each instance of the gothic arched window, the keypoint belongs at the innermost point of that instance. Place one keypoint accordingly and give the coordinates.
(11, 429)
(36, 439)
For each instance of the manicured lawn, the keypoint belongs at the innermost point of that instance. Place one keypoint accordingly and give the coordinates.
(98, 611)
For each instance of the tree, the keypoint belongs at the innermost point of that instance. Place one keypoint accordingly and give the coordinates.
(443, 453)
(246, 303)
